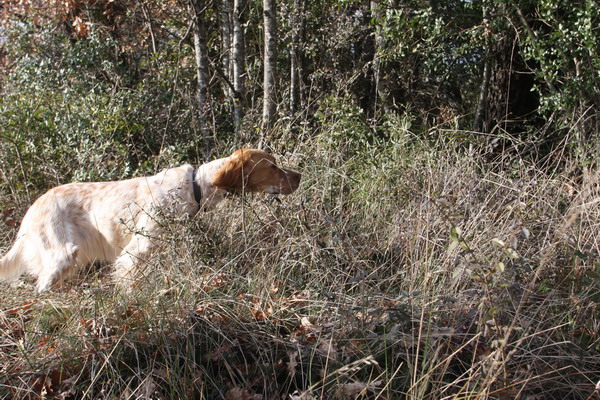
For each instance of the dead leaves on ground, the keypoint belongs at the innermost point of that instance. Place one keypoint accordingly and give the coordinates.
(38, 333)
(54, 384)
(300, 341)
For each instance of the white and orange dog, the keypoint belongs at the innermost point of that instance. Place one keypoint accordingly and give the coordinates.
(117, 222)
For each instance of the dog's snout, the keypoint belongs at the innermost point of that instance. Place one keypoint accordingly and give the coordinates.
(294, 178)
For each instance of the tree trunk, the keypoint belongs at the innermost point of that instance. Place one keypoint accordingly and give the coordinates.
(270, 59)
(381, 72)
(238, 56)
(226, 51)
(294, 69)
(506, 99)
(480, 121)
(198, 9)
(377, 70)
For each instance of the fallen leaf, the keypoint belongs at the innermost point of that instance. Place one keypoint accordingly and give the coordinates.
(49, 383)
(21, 308)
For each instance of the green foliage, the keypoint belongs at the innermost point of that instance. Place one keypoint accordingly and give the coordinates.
(67, 113)
(564, 48)
(347, 130)
(62, 120)
(432, 53)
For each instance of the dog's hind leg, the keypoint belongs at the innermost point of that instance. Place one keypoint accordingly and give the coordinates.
(56, 266)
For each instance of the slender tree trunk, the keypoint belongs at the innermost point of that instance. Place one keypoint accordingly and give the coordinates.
(270, 59)
(380, 72)
(479, 122)
(198, 9)
(377, 70)
(239, 55)
(226, 51)
(294, 69)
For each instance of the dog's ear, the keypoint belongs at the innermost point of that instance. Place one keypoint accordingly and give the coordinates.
(233, 173)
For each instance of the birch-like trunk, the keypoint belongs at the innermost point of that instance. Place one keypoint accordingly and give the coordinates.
(294, 68)
(226, 50)
(270, 58)
(238, 56)
(198, 8)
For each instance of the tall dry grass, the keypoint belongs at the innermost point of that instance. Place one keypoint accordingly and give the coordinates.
(398, 270)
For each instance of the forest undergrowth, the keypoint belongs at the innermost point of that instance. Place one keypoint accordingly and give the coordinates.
(400, 269)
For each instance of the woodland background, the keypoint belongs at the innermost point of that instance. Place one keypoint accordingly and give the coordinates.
(444, 242)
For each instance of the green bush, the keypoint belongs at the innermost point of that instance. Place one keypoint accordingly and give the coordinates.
(67, 114)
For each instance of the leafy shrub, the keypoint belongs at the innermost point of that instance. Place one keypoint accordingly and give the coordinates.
(67, 114)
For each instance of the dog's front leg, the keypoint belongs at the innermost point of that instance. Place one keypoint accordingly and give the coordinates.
(135, 253)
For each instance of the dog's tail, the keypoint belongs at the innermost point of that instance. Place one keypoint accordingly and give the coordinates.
(11, 265)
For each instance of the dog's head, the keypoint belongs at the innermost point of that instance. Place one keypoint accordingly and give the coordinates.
(252, 170)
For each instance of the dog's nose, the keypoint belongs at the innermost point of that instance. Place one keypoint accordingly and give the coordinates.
(295, 178)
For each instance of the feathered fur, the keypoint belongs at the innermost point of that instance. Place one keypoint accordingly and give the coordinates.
(78, 223)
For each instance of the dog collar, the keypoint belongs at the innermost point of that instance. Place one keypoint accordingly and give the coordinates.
(197, 189)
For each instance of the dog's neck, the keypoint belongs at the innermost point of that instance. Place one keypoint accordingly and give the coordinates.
(204, 176)
(196, 188)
